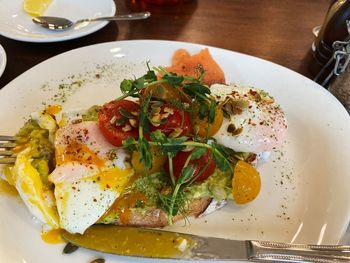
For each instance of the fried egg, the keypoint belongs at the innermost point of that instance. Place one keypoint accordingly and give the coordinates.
(89, 176)
(253, 121)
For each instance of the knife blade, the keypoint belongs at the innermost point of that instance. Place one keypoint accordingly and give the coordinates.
(152, 243)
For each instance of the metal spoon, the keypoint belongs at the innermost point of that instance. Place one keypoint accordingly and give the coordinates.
(60, 23)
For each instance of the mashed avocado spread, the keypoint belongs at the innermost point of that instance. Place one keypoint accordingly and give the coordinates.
(41, 148)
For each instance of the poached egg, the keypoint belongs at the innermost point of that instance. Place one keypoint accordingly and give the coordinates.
(90, 175)
(253, 121)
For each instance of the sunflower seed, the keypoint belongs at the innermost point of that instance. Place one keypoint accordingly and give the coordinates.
(126, 128)
(113, 119)
(133, 122)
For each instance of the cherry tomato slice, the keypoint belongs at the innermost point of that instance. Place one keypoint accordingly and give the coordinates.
(245, 183)
(114, 126)
(172, 119)
(180, 159)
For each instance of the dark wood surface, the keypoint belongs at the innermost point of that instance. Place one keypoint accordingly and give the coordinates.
(276, 30)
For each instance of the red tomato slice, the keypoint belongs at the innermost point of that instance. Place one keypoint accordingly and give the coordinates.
(175, 118)
(179, 162)
(110, 114)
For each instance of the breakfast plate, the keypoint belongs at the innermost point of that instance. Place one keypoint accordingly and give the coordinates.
(16, 24)
(2, 60)
(304, 196)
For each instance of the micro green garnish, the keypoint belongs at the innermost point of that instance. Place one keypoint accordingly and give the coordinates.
(192, 91)
(173, 145)
(171, 203)
(146, 156)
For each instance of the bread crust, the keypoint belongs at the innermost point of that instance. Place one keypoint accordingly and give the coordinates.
(156, 217)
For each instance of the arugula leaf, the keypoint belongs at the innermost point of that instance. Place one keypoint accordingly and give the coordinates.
(158, 136)
(221, 155)
(173, 79)
(203, 110)
(144, 146)
(186, 174)
(195, 89)
(198, 153)
(174, 145)
(212, 111)
(171, 146)
(129, 142)
(220, 161)
(139, 83)
(146, 156)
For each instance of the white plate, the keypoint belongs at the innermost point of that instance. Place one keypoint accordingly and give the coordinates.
(305, 188)
(3, 60)
(15, 23)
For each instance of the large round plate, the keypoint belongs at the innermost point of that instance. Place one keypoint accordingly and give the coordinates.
(3, 60)
(15, 23)
(304, 197)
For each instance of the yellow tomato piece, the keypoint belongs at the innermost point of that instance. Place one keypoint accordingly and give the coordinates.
(36, 7)
(158, 160)
(164, 92)
(203, 126)
(245, 183)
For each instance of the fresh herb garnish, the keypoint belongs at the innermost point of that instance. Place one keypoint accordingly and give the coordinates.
(197, 101)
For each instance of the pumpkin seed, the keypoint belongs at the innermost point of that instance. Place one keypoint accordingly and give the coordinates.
(121, 121)
(125, 113)
(233, 130)
(69, 248)
(98, 260)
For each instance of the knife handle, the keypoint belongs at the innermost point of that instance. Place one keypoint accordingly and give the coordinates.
(265, 251)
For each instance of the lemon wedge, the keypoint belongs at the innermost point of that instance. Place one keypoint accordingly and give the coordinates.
(36, 7)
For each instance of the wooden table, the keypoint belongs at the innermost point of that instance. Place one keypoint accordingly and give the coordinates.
(279, 31)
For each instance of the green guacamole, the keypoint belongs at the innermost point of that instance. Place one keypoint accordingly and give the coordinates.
(42, 150)
(91, 114)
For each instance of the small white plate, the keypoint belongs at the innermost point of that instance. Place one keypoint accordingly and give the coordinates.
(3, 60)
(16, 24)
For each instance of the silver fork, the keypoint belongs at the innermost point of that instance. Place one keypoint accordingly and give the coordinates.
(7, 143)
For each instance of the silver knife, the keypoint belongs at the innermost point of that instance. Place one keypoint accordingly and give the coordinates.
(151, 243)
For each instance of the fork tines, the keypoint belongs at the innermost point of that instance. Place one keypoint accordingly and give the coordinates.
(7, 143)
